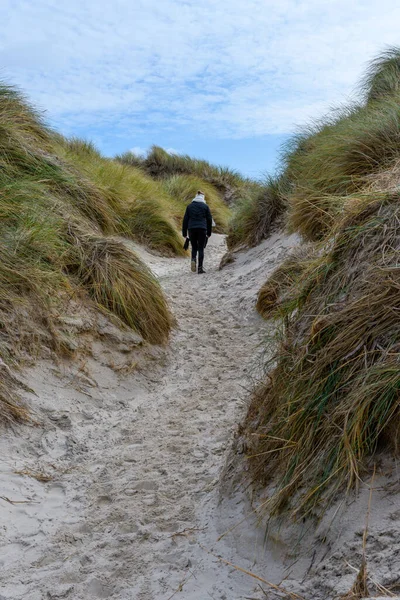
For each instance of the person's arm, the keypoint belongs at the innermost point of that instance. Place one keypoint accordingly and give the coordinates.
(185, 223)
(209, 221)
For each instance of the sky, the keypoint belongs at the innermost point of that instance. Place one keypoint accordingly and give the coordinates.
(224, 80)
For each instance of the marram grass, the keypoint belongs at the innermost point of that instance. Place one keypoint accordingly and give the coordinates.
(335, 158)
(280, 293)
(59, 203)
(333, 397)
(258, 213)
(383, 76)
(161, 164)
(326, 161)
(120, 282)
(140, 208)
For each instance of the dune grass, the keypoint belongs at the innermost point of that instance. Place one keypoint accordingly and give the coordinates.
(56, 215)
(279, 294)
(334, 158)
(120, 282)
(328, 160)
(161, 164)
(257, 214)
(180, 176)
(332, 399)
(382, 78)
(140, 207)
(23, 124)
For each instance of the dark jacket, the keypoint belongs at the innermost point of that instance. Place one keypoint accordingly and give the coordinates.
(197, 216)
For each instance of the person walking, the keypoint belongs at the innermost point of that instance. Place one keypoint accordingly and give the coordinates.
(197, 224)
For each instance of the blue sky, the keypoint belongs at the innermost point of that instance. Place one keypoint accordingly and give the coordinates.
(225, 80)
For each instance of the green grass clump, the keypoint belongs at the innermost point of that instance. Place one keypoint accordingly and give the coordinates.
(131, 159)
(22, 126)
(333, 398)
(334, 158)
(329, 160)
(257, 214)
(183, 188)
(383, 76)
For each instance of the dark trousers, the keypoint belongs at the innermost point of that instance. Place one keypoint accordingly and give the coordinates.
(198, 239)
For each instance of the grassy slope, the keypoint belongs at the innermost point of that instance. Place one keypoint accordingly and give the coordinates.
(334, 159)
(140, 206)
(160, 164)
(55, 219)
(327, 161)
(331, 399)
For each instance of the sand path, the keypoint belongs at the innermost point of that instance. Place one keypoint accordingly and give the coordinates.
(135, 459)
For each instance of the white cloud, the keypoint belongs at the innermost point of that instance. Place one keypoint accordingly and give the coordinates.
(138, 151)
(172, 151)
(233, 69)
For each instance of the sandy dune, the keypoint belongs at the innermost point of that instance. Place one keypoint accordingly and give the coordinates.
(134, 460)
(134, 506)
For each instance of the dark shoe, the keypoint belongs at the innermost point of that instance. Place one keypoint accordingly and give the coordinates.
(193, 266)
(201, 270)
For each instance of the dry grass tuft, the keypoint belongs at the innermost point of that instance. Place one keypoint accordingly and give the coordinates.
(359, 589)
(12, 409)
(119, 281)
(38, 475)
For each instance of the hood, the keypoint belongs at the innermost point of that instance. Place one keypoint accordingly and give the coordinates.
(199, 198)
